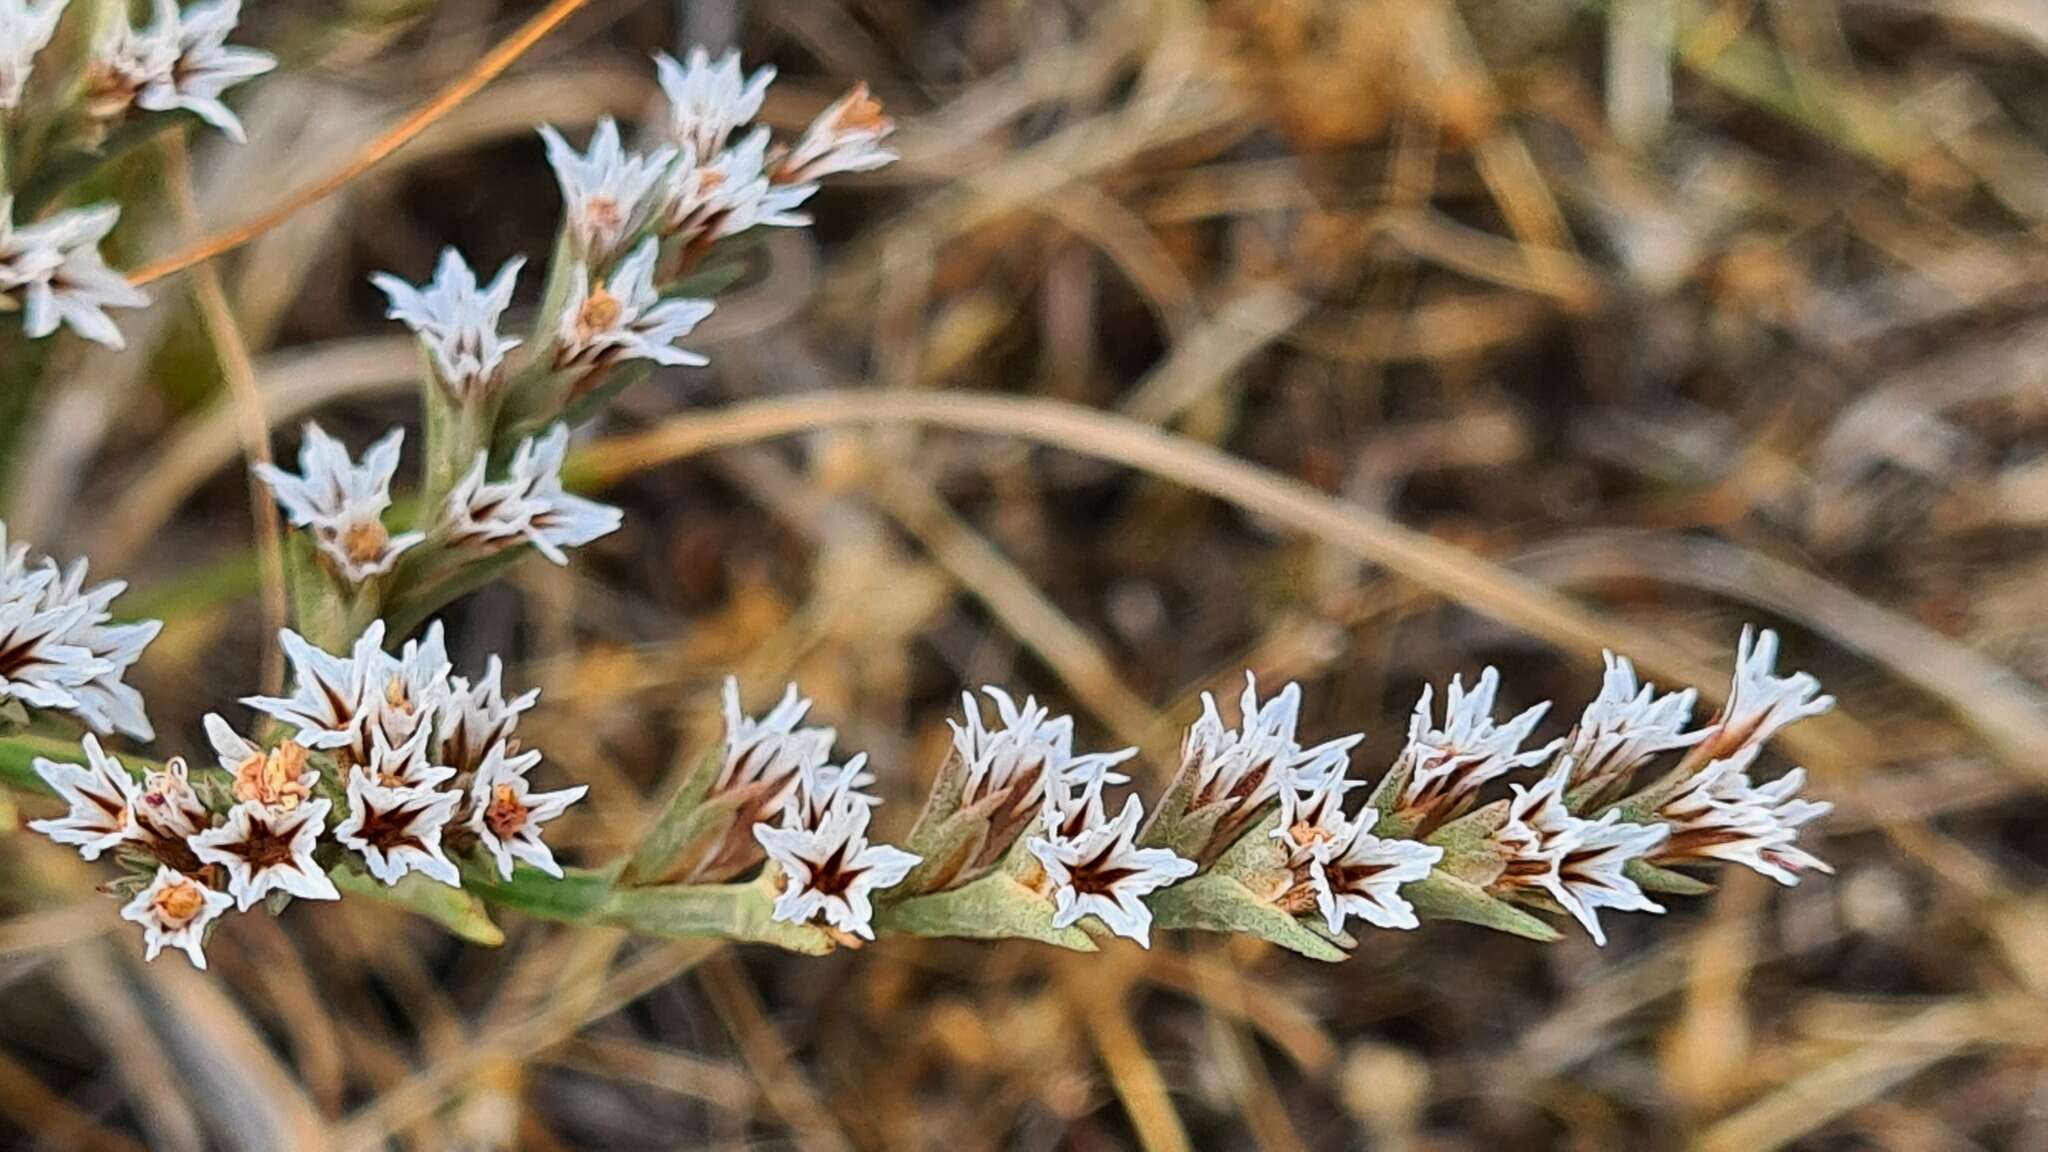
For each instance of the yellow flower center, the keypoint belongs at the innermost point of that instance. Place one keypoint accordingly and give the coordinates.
(507, 813)
(176, 904)
(273, 778)
(600, 312)
(364, 541)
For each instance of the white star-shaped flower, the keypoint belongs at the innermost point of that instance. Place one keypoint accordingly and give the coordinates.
(105, 701)
(457, 322)
(1626, 726)
(625, 318)
(1720, 814)
(25, 29)
(507, 815)
(846, 137)
(707, 199)
(329, 693)
(1101, 872)
(830, 869)
(398, 829)
(822, 785)
(174, 911)
(1447, 766)
(606, 191)
(402, 695)
(410, 764)
(165, 808)
(1238, 772)
(1358, 874)
(266, 849)
(1760, 702)
(180, 61)
(528, 506)
(1013, 765)
(477, 718)
(39, 664)
(55, 265)
(342, 503)
(101, 794)
(1338, 865)
(1578, 863)
(708, 101)
(58, 648)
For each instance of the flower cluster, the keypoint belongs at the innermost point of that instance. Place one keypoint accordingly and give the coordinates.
(419, 764)
(383, 766)
(179, 61)
(51, 269)
(59, 646)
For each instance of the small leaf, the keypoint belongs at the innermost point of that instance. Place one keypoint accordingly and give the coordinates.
(945, 849)
(1655, 879)
(456, 910)
(1441, 897)
(680, 827)
(1470, 852)
(996, 907)
(1213, 902)
(729, 911)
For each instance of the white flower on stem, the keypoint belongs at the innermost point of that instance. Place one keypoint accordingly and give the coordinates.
(1358, 874)
(101, 794)
(1578, 863)
(476, 717)
(180, 61)
(328, 692)
(708, 101)
(708, 199)
(830, 869)
(1013, 767)
(1339, 868)
(1624, 727)
(267, 849)
(1101, 872)
(55, 265)
(1760, 702)
(457, 322)
(507, 815)
(1447, 766)
(821, 785)
(40, 665)
(342, 503)
(769, 753)
(402, 694)
(398, 829)
(174, 911)
(165, 808)
(25, 29)
(528, 506)
(280, 777)
(1312, 813)
(1238, 772)
(1719, 814)
(845, 137)
(605, 190)
(58, 648)
(625, 318)
(407, 764)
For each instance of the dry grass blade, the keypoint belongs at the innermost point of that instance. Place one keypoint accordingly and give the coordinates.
(2007, 712)
(250, 421)
(1447, 570)
(1866, 1072)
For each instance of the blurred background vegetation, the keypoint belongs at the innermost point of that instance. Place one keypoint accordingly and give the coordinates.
(1694, 311)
